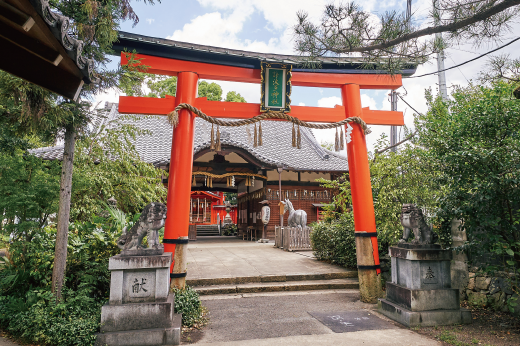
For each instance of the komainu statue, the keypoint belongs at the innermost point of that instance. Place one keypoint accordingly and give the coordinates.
(151, 220)
(412, 218)
(296, 217)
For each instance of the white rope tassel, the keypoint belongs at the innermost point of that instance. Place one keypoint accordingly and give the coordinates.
(348, 132)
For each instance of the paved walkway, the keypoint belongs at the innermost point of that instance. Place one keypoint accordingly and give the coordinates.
(4, 341)
(280, 319)
(224, 257)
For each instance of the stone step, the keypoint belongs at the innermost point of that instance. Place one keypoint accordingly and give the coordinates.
(207, 227)
(207, 233)
(143, 337)
(255, 287)
(347, 274)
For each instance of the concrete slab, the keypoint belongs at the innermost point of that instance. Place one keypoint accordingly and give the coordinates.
(228, 257)
(363, 338)
(279, 319)
(6, 342)
(351, 321)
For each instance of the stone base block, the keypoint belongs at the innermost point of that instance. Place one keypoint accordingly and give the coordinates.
(423, 300)
(143, 252)
(137, 316)
(143, 337)
(423, 318)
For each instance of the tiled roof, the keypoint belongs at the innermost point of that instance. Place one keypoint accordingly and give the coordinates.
(277, 149)
(171, 49)
(61, 27)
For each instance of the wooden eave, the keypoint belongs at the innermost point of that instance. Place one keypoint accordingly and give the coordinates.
(30, 50)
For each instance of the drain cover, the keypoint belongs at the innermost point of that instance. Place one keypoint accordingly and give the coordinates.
(351, 321)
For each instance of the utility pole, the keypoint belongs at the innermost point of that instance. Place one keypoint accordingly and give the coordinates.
(393, 93)
(393, 129)
(440, 56)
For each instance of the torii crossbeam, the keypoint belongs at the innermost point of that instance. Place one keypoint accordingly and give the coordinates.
(191, 62)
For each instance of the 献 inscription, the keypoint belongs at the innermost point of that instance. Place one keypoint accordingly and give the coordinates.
(138, 287)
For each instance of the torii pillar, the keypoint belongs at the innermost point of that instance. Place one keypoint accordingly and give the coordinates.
(362, 202)
(179, 179)
(181, 162)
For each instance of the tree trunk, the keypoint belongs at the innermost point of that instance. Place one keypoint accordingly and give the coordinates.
(60, 258)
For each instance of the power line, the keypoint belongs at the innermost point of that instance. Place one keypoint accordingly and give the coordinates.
(464, 63)
(409, 105)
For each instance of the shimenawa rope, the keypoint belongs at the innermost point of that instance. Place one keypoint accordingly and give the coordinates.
(173, 119)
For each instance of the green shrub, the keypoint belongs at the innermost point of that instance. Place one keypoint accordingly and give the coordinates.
(334, 241)
(229, 229)
(90, 245)
(187, 303)
(38, 319)
(27, 307)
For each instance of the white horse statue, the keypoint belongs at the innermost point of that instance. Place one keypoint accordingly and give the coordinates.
(297, 218)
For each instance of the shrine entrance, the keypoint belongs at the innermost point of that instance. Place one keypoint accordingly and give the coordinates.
(276, 74)
(245, 179)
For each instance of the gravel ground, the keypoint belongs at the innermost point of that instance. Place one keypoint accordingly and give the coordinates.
(488, 328)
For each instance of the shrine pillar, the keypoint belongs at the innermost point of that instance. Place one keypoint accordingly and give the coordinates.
(179, 180)
(362, 202)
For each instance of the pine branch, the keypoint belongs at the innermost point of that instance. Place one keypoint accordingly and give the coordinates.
(451, 27)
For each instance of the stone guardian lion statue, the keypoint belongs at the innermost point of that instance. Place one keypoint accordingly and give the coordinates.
(412, 219)
(151, 220)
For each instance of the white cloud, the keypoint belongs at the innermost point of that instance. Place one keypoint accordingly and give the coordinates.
(220, 30)
(279, 14)
(301, 104)
(329, 134)
(150, 20)
(367, 101)
(329, 101)
(111, 95)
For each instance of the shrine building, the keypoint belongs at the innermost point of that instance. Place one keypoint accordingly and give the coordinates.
(239, 162)
(299, 169)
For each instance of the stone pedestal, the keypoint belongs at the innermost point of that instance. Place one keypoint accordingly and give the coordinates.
(420, 293)
(141, 309)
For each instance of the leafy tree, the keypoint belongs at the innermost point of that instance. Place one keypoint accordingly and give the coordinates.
(327, 145)
(503, 68)
(161, 86)
(108, 165)
(398, 177)
(398, 39)
(212, 91)
(29, 188)
(96, 24)
(473, 143)
(404, 176)
(233, 96)
(231, 197)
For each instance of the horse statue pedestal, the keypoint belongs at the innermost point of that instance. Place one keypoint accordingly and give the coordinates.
(420, 293)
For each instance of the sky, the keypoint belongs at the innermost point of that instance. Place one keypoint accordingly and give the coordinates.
(267, 26)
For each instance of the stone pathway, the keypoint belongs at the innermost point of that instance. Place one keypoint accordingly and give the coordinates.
(281, 319)
(230, 257)
(6, 342)
(243, 312)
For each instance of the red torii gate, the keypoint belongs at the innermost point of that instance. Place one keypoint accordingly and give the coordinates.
(181, 162)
